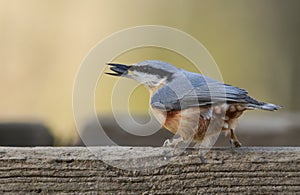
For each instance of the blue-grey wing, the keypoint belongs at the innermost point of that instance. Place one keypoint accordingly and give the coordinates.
(195, 90)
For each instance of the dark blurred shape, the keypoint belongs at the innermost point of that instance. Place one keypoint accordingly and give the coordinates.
(25, 134)
(119, 136)
(289, 137)
(282, 130)
(295, 97)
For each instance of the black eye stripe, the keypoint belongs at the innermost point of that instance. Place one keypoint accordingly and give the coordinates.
(154, 71)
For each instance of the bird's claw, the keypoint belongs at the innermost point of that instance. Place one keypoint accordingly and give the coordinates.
(173, 143)
(234, 144)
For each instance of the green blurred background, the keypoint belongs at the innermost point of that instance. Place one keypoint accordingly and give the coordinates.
(255, 43)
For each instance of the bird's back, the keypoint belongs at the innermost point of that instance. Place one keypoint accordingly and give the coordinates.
(188, 89)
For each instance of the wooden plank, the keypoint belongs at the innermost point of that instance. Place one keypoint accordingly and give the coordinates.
(148, 170)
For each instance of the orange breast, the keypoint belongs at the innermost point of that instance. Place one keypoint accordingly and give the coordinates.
(194, 122)
(188, 123)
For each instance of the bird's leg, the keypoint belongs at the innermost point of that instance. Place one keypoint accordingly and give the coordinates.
(234, 140)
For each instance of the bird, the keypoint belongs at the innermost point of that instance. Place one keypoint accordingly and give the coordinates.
(190, 104)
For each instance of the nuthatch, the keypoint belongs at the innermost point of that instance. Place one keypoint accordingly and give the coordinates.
(186, 103)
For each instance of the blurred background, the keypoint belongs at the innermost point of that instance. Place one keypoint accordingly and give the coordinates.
(256, 45)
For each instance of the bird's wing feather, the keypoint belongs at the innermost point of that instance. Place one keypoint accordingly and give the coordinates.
(195, 90)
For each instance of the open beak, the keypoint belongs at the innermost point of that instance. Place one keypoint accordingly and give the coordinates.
(119, 69)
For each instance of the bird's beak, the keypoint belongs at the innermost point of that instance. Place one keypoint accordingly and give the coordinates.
(119, 69)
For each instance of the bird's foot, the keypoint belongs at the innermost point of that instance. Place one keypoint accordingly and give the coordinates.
(201, 156)
(173, 142)
(234, 144)
(179, 145)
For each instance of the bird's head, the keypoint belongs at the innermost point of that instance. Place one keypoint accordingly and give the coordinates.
(151, 73)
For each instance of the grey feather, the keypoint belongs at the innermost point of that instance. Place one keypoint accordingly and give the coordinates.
(265, 106)
(187, 89)
(196, 90)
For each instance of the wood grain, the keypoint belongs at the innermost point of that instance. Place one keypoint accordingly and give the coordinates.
(148, 170)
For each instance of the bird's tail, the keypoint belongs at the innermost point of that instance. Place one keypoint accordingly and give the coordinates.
(265, 106)
(254, 104)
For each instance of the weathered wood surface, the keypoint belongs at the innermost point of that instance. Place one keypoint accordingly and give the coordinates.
(77, 170)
